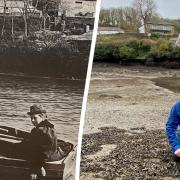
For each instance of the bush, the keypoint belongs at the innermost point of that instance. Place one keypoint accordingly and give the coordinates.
(176, 53)
(52, 58)
(104, 52)
(162, 51)
(141, 48)
(155, 36)
(117, 48)
(125, 52)
(135, 44)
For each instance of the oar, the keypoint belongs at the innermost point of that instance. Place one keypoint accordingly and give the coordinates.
(4, 130)
(10, 137)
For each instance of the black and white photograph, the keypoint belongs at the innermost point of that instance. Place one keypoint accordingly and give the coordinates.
(44, 54)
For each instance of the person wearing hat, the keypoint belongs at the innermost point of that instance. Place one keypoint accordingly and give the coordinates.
(41, 145)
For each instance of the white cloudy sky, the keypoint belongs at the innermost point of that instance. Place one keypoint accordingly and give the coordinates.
(166, 8)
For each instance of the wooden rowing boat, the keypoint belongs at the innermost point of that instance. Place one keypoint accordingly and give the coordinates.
(19, 169)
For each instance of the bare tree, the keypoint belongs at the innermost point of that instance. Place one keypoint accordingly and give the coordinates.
(4, 19)
(48, 8)
(104, 17)
(125, 18)
(130, 20)
(12, 25)
(146, 10)
(25, 14)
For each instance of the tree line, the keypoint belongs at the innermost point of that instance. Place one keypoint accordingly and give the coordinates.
(9, 20)
(126, 18)
(133, 17)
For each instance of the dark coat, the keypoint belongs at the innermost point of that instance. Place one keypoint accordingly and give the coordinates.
(41, 146)
(172, 126)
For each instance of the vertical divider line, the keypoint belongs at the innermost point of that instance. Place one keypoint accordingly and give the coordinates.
(84, 103)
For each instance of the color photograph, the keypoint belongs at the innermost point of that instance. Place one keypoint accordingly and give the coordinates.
(44, 54)
(132, 114)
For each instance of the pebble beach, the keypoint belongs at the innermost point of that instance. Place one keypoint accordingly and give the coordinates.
(124, 131)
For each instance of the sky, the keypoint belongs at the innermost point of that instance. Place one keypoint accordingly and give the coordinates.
(166, 8)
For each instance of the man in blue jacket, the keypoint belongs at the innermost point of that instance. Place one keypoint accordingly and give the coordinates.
(172, 131)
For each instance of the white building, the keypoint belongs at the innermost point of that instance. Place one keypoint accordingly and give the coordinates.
(109, 30)
(75, 8)
(16, 8)
(160, 27)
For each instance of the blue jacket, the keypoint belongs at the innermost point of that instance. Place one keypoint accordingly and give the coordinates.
(172, 125)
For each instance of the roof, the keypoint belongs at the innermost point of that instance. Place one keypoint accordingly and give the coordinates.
(109, 29)
(160, 22)
(12, 4)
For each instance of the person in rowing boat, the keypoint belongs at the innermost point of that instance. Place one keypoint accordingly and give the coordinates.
(41, 145)
(172, 131)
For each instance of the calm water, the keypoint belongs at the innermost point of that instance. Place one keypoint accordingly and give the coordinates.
(61, 98)
(171, 83)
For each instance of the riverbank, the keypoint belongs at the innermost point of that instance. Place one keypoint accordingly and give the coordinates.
(53, 57)
(126, 49)
(124, 127)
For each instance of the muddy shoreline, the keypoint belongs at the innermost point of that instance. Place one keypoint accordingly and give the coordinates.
(124, 125)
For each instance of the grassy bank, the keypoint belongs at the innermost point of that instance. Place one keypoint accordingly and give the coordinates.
(126, 49)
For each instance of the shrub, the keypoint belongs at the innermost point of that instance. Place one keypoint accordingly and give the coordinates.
(133, 44)
(162, 51)
(155, 36)
(125, 52)
(118, 48)
(144, 46)
(141, 48)
(56, 58)
(176, 53)
(104, 52)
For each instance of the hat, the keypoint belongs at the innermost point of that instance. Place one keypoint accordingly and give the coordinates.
(36, 109)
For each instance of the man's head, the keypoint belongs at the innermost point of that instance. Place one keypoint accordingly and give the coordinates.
(37, 114)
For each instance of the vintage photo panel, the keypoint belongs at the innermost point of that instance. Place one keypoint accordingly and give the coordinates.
(44, 53)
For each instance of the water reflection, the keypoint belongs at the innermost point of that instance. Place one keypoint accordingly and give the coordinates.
(61, 98)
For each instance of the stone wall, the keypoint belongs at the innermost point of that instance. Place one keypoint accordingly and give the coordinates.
(77, 7)
(87, 7)
(68, 7)
(81, 21)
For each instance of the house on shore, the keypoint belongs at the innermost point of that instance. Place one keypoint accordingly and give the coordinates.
(78, 8)
(78, 13)
(17, 7)
(160, 27)
(109, 30)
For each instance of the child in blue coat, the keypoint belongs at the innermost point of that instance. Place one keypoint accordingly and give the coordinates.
(172, 131)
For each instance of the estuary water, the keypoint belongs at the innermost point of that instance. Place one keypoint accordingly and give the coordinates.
(171, 83)
(61, 98)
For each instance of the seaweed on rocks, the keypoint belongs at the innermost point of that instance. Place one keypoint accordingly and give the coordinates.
(144, 155)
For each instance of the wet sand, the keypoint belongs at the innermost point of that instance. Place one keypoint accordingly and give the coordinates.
(124, 125)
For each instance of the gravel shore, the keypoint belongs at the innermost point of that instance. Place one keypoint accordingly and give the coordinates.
(126, 113)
